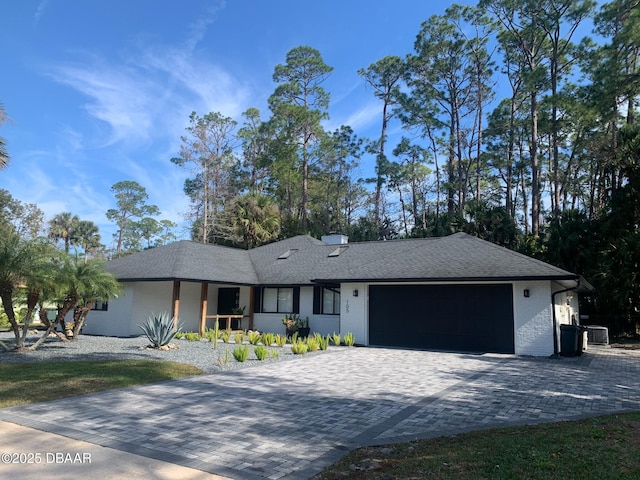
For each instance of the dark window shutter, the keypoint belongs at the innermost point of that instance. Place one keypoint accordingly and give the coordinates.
(317, 300)
(296, 299)
(257, 299)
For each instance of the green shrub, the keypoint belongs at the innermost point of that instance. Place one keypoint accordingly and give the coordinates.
(179, 335)
(261, 352)
(323, 342)
(4, 321)
(349, 339)
(160, 329)
(238, 338)
(275, 354)
(281, 340)
(241, 353)
(299, 347)
(253, 337)
(335, 338)
(225, 336)
(312, 344)
(192, 336)
(268, 339)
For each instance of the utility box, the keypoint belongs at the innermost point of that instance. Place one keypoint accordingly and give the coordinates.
(598, 335)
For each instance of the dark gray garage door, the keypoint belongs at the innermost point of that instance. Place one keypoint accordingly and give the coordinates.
(476, 318)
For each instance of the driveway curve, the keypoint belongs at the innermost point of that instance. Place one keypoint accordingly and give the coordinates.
(290, 419)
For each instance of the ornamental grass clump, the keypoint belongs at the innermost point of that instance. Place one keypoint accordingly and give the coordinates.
(225, 336)
(312, 344)
(323, 342)
(336, 339)
(238, 338)
(280, 340)
(299, 347)
(268, 339)
(261, 352)
(160, 329)
(254, 337)
(349, 339)
(192, 336)
(241, 353)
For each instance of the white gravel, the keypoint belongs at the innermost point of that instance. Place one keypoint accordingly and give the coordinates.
(201, 354)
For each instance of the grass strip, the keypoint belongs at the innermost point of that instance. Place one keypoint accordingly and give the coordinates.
(23, 383)
(601, 448)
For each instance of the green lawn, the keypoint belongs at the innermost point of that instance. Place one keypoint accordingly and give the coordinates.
(599, 448)
(22, 383)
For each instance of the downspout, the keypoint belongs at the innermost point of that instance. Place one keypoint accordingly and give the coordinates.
(553, 314)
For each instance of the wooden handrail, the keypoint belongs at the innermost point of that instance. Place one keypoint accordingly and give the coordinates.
(227, 317)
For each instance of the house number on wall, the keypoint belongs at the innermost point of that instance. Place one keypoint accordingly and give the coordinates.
(346, 306)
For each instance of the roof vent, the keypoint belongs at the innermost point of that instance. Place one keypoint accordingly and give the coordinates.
(335, 239)
(337, 251)
(288, 253)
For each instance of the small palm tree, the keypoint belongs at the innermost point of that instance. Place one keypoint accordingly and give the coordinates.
(80, 284)
(14, 267)
(24, 265)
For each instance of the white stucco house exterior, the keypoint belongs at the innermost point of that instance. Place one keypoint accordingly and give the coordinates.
(452, 293)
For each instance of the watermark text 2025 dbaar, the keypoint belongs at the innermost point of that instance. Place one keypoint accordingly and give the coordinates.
(26, 458)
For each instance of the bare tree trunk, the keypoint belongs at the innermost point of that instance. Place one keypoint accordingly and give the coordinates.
(535, 168)
(381, 158)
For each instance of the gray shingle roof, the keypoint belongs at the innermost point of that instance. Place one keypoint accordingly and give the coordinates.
(303, 260)
(185, 260)
(454, 258)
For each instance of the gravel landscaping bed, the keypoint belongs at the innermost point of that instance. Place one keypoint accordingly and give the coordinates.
(201, 354)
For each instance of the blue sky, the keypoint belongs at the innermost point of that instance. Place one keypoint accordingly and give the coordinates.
(100, 91)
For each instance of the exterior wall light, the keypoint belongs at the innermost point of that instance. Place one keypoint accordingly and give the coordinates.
(526, 292)
(355, 293)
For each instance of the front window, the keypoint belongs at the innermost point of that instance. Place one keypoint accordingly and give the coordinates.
(277, 300)
(100, 305)
(331, 301)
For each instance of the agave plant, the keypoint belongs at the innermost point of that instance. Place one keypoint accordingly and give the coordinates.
(160, 329)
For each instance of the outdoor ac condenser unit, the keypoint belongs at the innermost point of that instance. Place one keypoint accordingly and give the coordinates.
(597, 335)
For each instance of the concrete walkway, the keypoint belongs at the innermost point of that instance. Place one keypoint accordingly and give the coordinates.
(290, 419)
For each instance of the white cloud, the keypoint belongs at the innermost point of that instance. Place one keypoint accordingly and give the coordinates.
(360, 119)
(149, 94)
(40, 11)
(144, 97)
(121, 97)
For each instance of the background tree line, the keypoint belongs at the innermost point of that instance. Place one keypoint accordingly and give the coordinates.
(517, 129)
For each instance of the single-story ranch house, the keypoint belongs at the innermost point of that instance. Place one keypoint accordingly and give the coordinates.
(453, 293)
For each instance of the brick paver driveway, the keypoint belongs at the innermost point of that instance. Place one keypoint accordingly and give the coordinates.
(291, 418)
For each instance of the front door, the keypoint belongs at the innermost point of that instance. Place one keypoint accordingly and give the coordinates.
(228, 300)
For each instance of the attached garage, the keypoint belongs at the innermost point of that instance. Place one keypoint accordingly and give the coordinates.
(467, 317)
